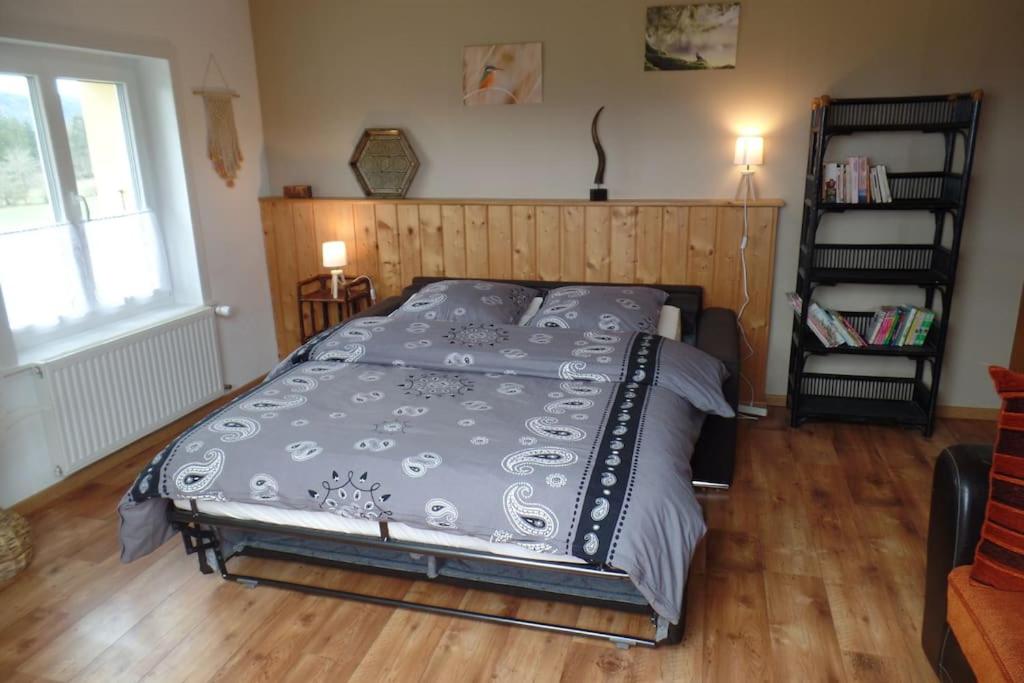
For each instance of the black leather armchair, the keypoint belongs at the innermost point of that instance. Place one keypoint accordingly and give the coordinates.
(959, 495)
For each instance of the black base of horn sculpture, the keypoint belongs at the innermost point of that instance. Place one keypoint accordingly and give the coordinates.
(598, 194)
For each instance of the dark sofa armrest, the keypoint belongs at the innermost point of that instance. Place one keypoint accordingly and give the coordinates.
(959, 496)
(718, 336)
(382, 307)
(714, 456)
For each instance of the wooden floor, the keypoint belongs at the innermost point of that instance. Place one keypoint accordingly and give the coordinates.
(813, 570)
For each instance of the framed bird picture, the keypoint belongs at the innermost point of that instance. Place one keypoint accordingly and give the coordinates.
(509, 73)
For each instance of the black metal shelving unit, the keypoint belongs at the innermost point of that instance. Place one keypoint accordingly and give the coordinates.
(908, 401)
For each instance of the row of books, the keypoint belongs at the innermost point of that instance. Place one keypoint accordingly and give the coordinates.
(855, 182)
(890, 326)
(900, 326)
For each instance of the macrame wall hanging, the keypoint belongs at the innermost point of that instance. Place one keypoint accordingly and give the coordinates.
(221, 134)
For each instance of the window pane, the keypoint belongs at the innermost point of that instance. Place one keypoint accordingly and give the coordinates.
(98, 137)
(24, 191)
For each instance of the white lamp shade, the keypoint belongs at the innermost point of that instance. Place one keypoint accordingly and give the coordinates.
(335, 255)
(749, 151)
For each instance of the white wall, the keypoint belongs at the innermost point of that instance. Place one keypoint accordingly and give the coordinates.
(329, 68)
(227, 222)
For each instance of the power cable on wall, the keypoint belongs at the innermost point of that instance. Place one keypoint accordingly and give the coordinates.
(748, 410)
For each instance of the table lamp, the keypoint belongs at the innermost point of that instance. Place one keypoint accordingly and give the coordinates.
(749, 152)
(335, 258)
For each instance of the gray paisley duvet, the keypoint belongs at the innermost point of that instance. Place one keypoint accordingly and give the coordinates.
(585, 460)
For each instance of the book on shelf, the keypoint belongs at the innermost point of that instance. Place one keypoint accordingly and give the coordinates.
(855, 181)
(830, 327)
(863, 189)
(853, 337)
(926, 325)
(900, 326)
(817, 321)
(883, 184)
(833, 176)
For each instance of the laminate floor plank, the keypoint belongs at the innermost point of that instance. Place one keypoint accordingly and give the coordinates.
(231, 617)
(736, 638)
(408, 640)
(151, 640)
(812, 569)
(353, 627)
(803, 641)
(518, 660)
(470, 650)
(70, 652)
(310, 669)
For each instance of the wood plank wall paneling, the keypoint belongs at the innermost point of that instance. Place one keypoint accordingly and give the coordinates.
(670, 242)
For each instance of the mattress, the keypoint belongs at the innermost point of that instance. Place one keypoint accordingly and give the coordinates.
(328, 521)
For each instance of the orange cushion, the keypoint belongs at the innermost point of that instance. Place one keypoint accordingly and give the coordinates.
(999, 558)
(989, 625)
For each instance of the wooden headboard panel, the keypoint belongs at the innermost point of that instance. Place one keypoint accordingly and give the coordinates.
(670, 242)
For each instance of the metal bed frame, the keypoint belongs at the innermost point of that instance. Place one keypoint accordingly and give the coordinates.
(203, 534)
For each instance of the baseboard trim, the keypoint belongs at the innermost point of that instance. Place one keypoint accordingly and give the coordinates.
(967, 413)
(948, 412)
(42, 499)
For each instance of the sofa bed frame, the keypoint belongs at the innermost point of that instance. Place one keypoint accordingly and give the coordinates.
(217, 539)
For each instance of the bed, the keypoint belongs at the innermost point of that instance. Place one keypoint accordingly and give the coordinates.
(517, 470)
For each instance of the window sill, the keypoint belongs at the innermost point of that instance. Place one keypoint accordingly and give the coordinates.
(101, 334)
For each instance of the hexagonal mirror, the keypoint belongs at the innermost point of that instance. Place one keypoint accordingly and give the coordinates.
(384, 162)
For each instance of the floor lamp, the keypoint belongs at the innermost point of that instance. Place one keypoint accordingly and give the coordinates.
(749, 152)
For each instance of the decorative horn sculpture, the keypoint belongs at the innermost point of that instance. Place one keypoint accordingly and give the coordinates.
(598, 193)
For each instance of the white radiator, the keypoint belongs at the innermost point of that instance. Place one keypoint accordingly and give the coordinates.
(109, 395)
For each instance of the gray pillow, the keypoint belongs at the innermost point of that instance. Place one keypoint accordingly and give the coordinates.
(476, 301)
(601, 307)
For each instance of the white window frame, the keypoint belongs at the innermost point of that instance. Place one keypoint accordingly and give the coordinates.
(43, 65)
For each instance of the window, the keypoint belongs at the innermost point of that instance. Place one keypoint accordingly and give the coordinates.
(79, 244)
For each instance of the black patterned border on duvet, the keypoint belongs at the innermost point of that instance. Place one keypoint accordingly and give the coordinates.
(606, 498)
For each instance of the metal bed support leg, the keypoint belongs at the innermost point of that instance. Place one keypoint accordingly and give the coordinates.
(202, 542)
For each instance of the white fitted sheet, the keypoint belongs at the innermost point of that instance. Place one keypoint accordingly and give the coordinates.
(328, 521)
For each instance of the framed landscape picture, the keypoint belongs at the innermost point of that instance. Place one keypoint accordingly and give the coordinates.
(691, 37)
(509, 73)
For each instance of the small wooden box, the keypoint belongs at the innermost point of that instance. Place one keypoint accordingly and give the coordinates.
(298, 191)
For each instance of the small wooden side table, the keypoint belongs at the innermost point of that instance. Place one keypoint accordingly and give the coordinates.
(318, 310)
